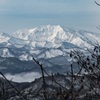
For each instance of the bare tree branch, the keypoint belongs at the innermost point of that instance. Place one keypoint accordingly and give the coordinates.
(97, 3)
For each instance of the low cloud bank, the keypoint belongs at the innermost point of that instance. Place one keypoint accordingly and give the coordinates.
(23, 77)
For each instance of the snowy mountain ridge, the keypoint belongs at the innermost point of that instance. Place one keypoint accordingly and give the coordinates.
(44, 41)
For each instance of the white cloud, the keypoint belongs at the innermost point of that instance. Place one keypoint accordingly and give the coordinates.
(23, 77)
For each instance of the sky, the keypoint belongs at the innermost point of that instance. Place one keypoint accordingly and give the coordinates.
(19, 14)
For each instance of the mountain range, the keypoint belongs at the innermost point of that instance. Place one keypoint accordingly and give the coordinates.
(48, 44)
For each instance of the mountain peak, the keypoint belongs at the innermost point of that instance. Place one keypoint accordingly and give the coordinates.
(49, 28)
(54, 35)
(46, 39)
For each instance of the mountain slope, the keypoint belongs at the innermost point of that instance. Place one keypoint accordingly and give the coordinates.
(45, 43)
(45, 40)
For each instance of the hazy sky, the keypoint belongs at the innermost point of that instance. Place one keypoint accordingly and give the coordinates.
(17, 14)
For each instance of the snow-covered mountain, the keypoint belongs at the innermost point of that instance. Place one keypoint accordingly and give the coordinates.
(45, 41)
(49, 44)
(54, 37)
